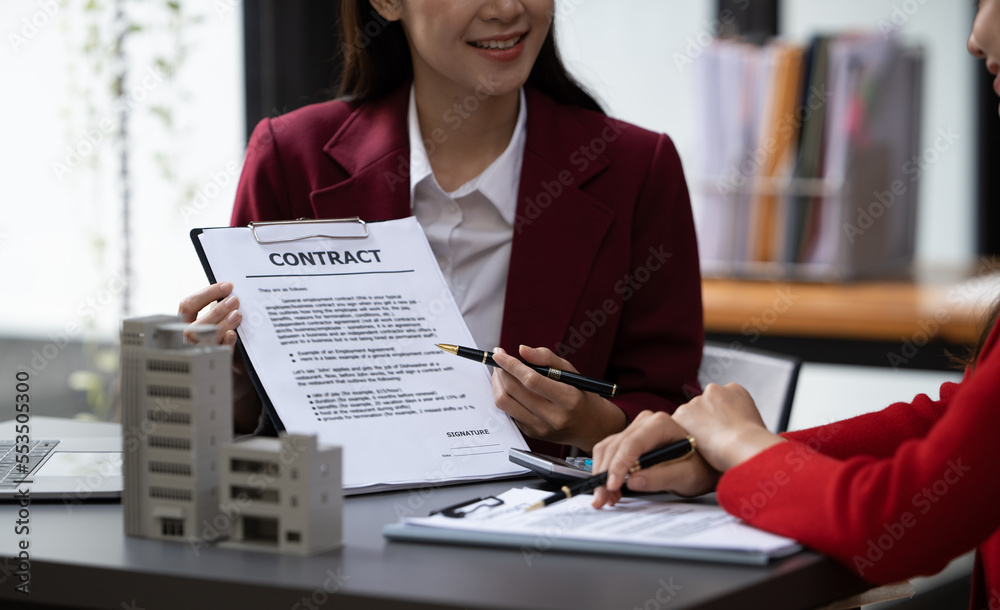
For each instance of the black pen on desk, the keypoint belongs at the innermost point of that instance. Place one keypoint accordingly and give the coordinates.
(674, 452)
(587, 384)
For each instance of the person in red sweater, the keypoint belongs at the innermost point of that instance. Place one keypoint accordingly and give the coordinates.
(891, 495)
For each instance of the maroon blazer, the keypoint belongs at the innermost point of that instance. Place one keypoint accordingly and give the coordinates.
(604, 263)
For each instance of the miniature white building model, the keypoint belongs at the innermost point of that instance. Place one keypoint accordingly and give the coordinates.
(176, 414)
(288, 491)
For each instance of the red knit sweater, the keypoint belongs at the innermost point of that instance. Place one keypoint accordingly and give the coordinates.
(893, 494)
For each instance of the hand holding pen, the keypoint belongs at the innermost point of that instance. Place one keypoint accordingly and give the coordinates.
(647, 432)
(587, 384)
(674, 452)
(549, 409)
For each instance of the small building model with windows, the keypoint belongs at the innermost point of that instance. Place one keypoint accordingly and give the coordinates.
(176, 414)
(287, 494)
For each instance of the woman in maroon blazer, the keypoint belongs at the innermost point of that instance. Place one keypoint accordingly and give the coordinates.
(892, 494)
(584, 245)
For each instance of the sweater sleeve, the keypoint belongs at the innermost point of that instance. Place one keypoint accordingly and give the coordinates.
(877, 434)
(895, 511)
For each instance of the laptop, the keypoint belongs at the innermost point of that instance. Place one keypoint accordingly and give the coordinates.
(68, 460)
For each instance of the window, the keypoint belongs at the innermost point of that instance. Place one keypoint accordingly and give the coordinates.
(180, 470)
(260, 529)
(253, 466)
(254, 493)
(170, 442)
(170, 493)
(172, 527)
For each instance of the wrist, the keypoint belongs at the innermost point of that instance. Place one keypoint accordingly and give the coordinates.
(607, 419)
(746, 445)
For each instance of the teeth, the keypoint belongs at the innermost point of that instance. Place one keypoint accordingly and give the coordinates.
(497, 44)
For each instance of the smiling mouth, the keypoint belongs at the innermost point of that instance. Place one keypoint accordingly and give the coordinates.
(497, 44)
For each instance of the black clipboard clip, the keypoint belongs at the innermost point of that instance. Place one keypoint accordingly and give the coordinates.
(460, 510)
(302, 221)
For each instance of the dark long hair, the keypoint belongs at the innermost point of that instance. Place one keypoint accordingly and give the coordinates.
(375, 59)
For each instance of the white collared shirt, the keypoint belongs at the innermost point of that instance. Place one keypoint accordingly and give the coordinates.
(470, 229)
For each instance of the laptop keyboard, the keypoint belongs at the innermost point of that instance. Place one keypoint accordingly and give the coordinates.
(11, 473)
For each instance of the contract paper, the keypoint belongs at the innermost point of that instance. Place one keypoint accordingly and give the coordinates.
(341, 333)
(633, 526)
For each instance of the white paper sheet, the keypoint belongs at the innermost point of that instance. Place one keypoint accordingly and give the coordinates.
(342, 334)
(631, 522)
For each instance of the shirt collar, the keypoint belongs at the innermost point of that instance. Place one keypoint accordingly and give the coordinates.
(499, 182)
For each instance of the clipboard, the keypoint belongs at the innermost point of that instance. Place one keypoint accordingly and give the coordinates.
(338, 337)
(266, 404)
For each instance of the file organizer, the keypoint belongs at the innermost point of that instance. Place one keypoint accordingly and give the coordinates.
(837, 199)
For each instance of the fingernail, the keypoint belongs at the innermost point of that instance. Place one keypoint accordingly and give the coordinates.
(234, 316)
(637, 483)
(225, 286)
(230, 301)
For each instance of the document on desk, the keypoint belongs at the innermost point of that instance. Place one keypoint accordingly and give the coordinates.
(340, 332)
(682, 529)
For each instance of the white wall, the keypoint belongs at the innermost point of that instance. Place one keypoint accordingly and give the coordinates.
(625, 51)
